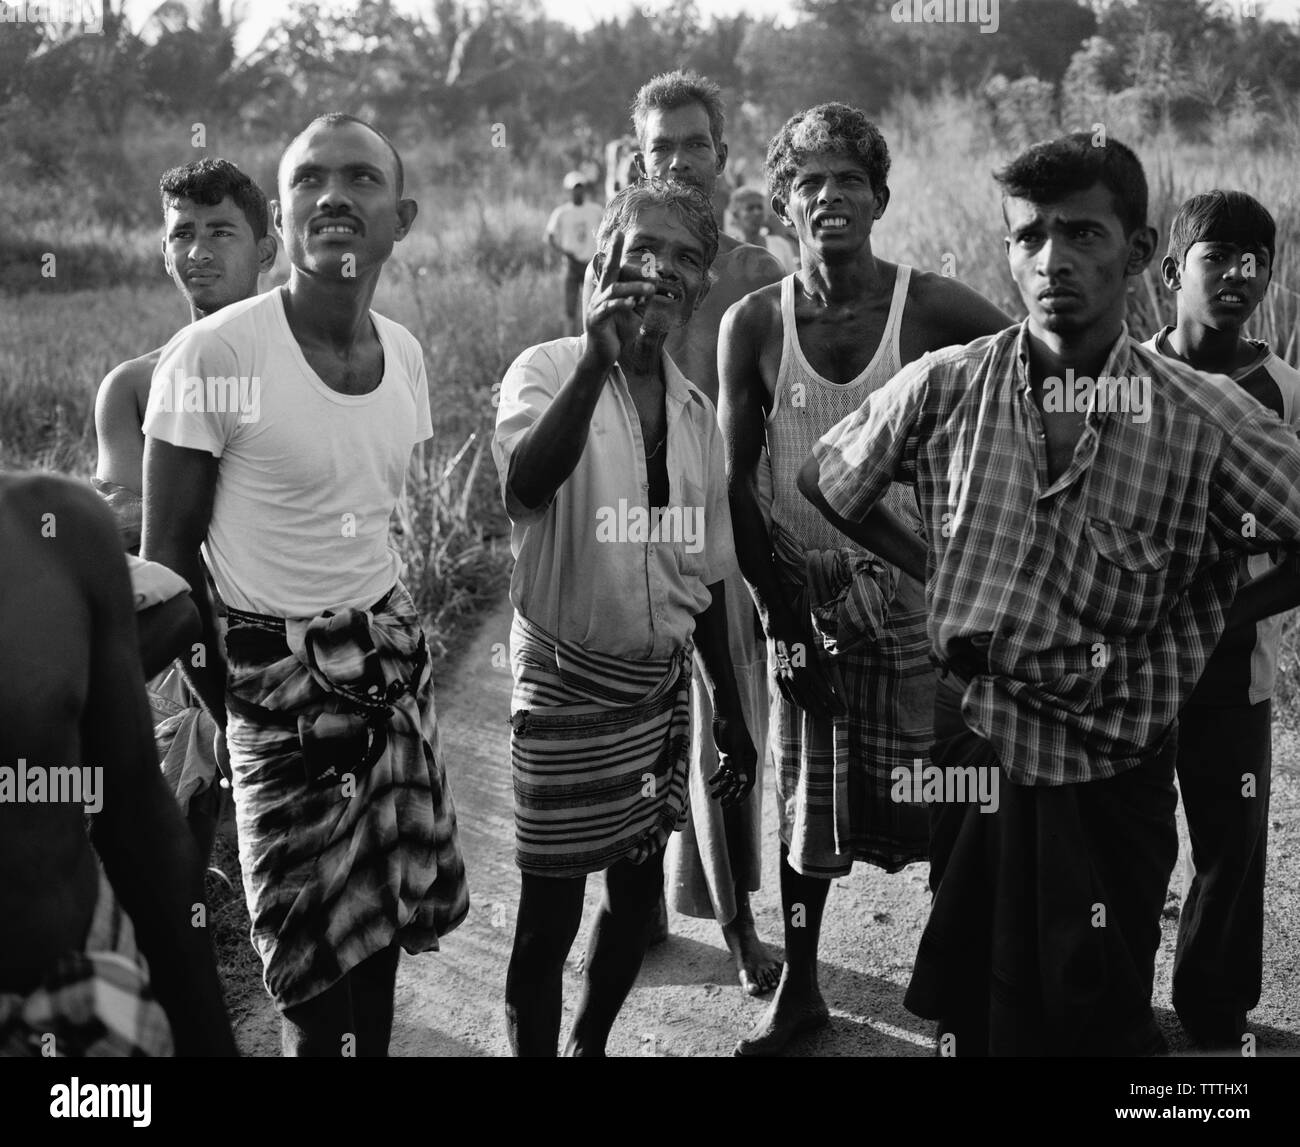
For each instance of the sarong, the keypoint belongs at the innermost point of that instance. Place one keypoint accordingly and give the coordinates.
(834, 778)
(96, 1002)
(599, 752)
(717, 851)
(349, 843)
(1045, 924)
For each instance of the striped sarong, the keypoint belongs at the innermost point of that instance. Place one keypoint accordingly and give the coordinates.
(599, 751)
(833, 778)
(96, 1002)
(337, 865)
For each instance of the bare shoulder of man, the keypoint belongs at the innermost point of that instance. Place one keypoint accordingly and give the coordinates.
(949, 312)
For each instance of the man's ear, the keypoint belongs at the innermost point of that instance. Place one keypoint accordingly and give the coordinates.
(882, 201)
(407, 210)
(277, 218)
(1141, 250)
(720, 148)
(266, 249)
(778, 208)
(1171, 273)
(638, 158)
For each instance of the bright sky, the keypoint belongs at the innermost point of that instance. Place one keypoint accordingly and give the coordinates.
(260, 15)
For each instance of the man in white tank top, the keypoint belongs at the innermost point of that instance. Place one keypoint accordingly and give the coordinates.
(794, 358)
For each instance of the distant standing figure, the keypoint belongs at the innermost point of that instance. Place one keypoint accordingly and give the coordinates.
(571, 230)
(748, 210)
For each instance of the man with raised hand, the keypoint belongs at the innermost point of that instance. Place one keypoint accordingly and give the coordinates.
(215, 246)
(279, 431)
(1084, 551)
(847, 631)
(611, 469)
(716, 862)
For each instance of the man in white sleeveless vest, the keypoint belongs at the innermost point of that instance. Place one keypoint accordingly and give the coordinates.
(847, 634)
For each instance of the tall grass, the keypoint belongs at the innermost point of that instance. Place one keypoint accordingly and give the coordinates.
(473, 283)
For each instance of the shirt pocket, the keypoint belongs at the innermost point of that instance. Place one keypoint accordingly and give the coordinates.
(1125, 587)
(690, 536)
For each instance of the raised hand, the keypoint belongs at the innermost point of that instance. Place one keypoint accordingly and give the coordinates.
(611, 317)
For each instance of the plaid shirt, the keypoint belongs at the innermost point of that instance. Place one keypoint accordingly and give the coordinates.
(1101, 594)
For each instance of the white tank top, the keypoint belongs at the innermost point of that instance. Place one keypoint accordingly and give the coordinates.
(806, 405)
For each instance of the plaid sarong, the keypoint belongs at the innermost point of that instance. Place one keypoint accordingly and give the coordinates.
(833, 779)
(95, 1002)
(347, 828)
(600, 753)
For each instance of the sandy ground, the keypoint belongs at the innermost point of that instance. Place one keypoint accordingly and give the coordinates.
(687, 1002)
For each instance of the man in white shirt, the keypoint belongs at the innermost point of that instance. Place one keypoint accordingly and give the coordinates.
(279, 431)
(571, 230)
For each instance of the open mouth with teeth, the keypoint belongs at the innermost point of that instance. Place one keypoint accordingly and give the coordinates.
(671, 293)
(1230, 297)
(335, 229)
(832, 223)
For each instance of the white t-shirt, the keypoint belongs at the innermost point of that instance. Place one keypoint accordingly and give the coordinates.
(574, 226)
(308, 477)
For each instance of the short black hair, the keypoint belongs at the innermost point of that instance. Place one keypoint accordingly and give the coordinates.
(1047, 172)
(826, 128)
(207, 182)
(1222, 217)
(669, 91)
(335, 119)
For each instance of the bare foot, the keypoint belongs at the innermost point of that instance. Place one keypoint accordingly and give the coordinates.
(793, 1012)
(659, 927)
(758, 970)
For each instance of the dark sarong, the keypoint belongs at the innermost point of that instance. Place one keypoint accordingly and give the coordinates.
(337, 865)
(1046, 917)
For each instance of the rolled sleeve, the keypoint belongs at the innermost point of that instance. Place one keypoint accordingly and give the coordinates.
(861, 455)
(528, 389)
(1255, 496)
(189, 361)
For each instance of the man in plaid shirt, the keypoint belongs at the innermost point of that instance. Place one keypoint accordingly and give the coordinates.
(1086, 503)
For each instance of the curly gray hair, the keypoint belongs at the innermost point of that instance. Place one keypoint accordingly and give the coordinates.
(825, 128)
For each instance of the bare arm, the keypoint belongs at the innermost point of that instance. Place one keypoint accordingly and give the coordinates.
(146, 847)
(740, 413)
(549, 449)
(118, 416)
(738, 759)
(881, 531)
(180, 485)
(166, 631)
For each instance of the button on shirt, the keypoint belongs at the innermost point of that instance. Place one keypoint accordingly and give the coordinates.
(596, 565)
(1101, 594)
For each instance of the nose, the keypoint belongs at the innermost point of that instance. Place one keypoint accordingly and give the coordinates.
(333, 195)
(680, 161)
(1052, 259)
(830, 191)
(199, 251)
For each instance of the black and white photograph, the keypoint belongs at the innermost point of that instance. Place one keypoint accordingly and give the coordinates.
(664, 528)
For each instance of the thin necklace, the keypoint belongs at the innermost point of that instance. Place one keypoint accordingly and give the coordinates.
(657, 448)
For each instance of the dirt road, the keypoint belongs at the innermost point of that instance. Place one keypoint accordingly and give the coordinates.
(687, 1001)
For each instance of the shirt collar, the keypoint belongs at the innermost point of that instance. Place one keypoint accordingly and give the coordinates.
(677, 389)
(1117, 362)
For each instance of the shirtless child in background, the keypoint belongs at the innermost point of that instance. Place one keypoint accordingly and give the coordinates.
(72, 694)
